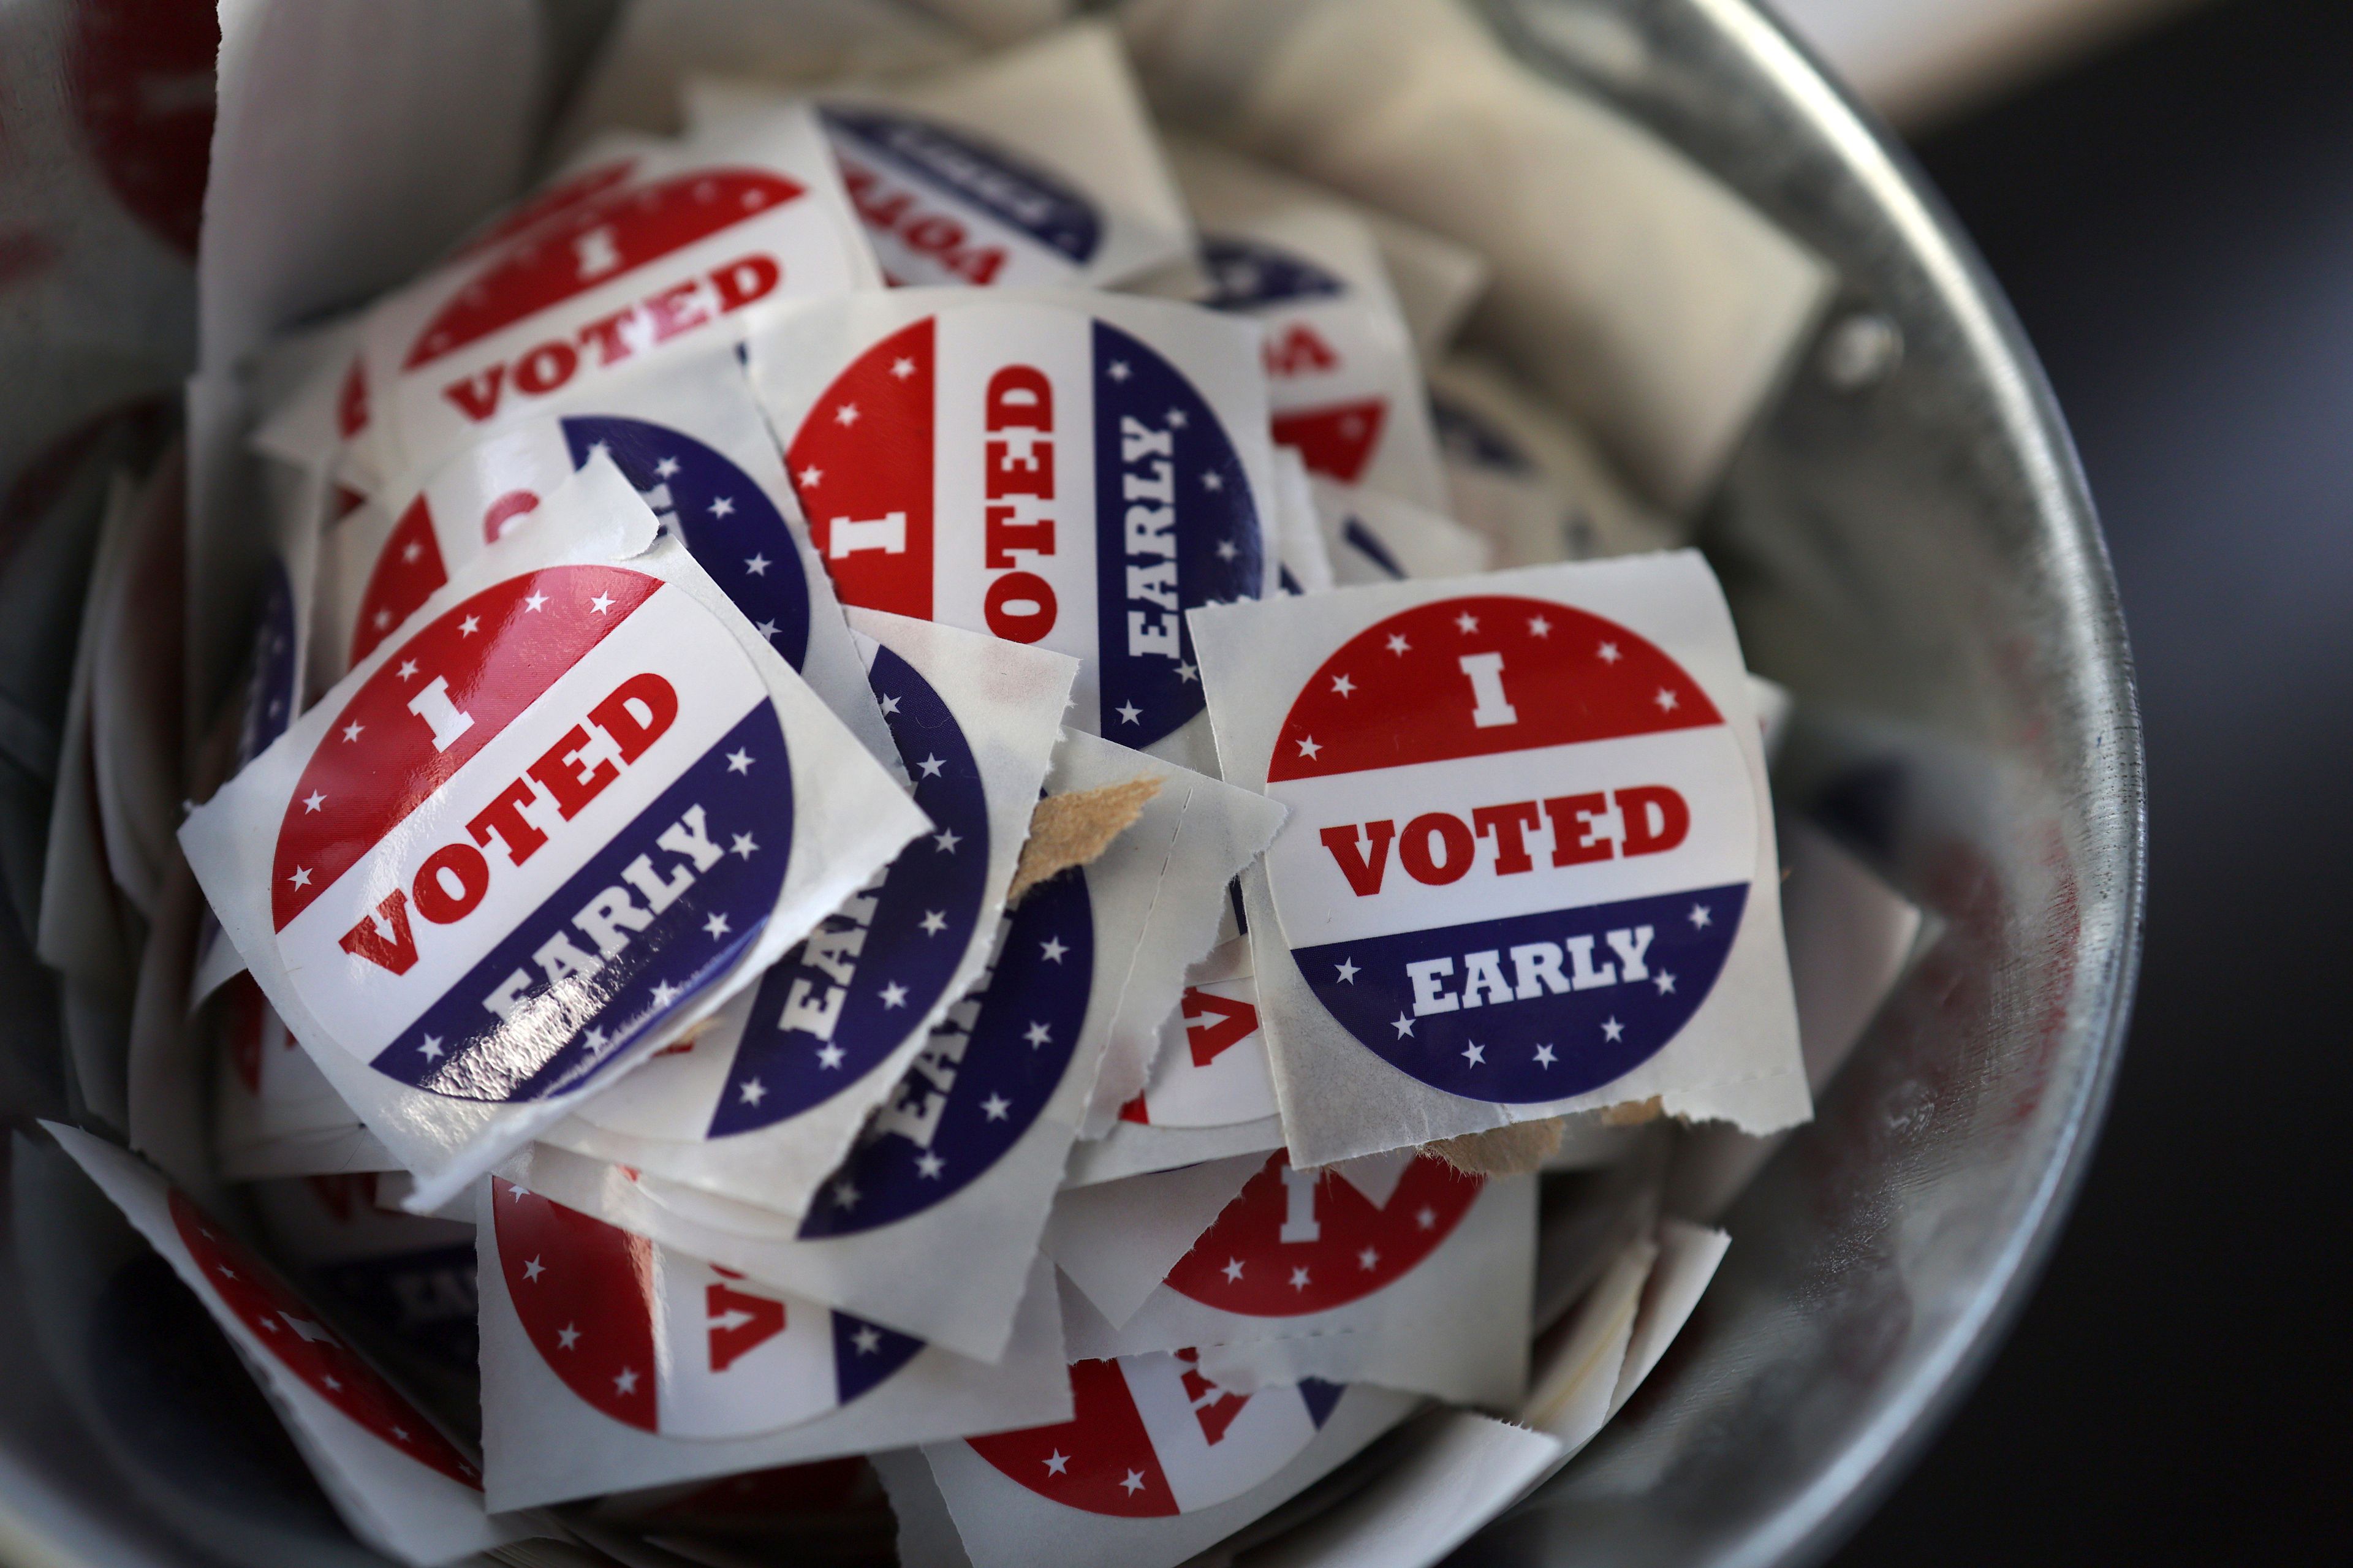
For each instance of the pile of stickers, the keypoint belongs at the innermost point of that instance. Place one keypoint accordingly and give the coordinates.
(922, 853)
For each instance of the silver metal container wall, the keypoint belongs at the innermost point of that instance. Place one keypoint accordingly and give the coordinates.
(1907, 543)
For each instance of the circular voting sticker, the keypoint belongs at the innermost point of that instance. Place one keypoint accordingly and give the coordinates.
(724, 518)
(944, 207)
(983, 1078)
(547, 818)
(310, 1349)
(1294, 1242)
(671, 1345)
(1521, 844)
(1150, 1436)
(1027, 470)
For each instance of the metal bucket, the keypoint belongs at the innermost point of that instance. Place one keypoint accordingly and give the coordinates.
(1908, 544)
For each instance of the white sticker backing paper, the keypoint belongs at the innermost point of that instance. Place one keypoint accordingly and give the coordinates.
(611, 1362)
(1065, 470)
(400, 1484)
(559, 820)
(1530, 866)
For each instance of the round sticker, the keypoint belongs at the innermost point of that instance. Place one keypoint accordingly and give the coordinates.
(671, 1345)
(309, 1348)
(986, 1075)
(944, 207)
(546, 819)
(1150, 1436)
(835, 1006)
(1521, 845)
(1030, 472)
(1294, 1242)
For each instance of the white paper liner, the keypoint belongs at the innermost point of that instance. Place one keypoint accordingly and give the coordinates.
(1654, 620)
(840, 800)
(1852, 938)
(1307, 562)
(1117, 1240)
(1375, 538)
(1035, 166)
(1453, 1321)
(392, 1476)
(729, 1377)
(1139, 1444)
(684, 430)
(1660, 305)
(665, 245)
(1146, 420)
(830, 1028)
(1345, 382)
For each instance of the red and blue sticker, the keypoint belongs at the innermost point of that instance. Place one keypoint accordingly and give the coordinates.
(944, 206)
(1522, 843)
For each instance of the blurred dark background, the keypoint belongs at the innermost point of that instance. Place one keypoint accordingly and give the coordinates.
(2173, 220)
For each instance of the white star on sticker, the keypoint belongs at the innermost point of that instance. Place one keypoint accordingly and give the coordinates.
(352, 733)
(889, 705)
(757, 565)
(469, 626)
(947, 839)
(1404, 1025)
(828, 1056)
(532, 1270)
(1232, 1270)
(1058, 1463)
(1037, 1034)
(601, 603)
(1474, 1053)
(903, 368)
(1129, 712)
(1213, 480)
(1344, 686)
(754, 1091)
(1051, 949)
(382, 619)
(625, 1382)
(568, 1336)
(739, 761)
(411, 551)
(931, 766)
(1308, 746)
(845, 1195)
(431, 1051)
(996, 1107)
(1545, 1058)
(846, 415)
(933, 923)
(722, 506)
(744, 845)
(1347, 971)
(407, 670)
(929, 1165)
(664, 993)
(1369, 1258)
(1539, 628)
(1175, 419)
(716, 925)
(1133, 1482)
(1466, 623)
(1666, 983)
(1425, 1218)
(1119, 370)
(1187, 673)
(667, 467)
(596, 1038)
(867, 1340)
(1700, 918)
(1227, 550)
(894, 994)
(811, 476)
(1666, 701)
(1612, 1028)
(313, 801)
(1609, 654)
(768, 628)
(536, 603)
(1398, 643)
(302, 877)
(1299, 1279)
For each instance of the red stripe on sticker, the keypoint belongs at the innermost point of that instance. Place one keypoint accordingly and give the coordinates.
(863, 466)
(1336, 442)
(406, 575)
(1101, 1460)
(594, 241)
(1477, 675)
(584, 1292)
(543, 205)
(442, 696)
